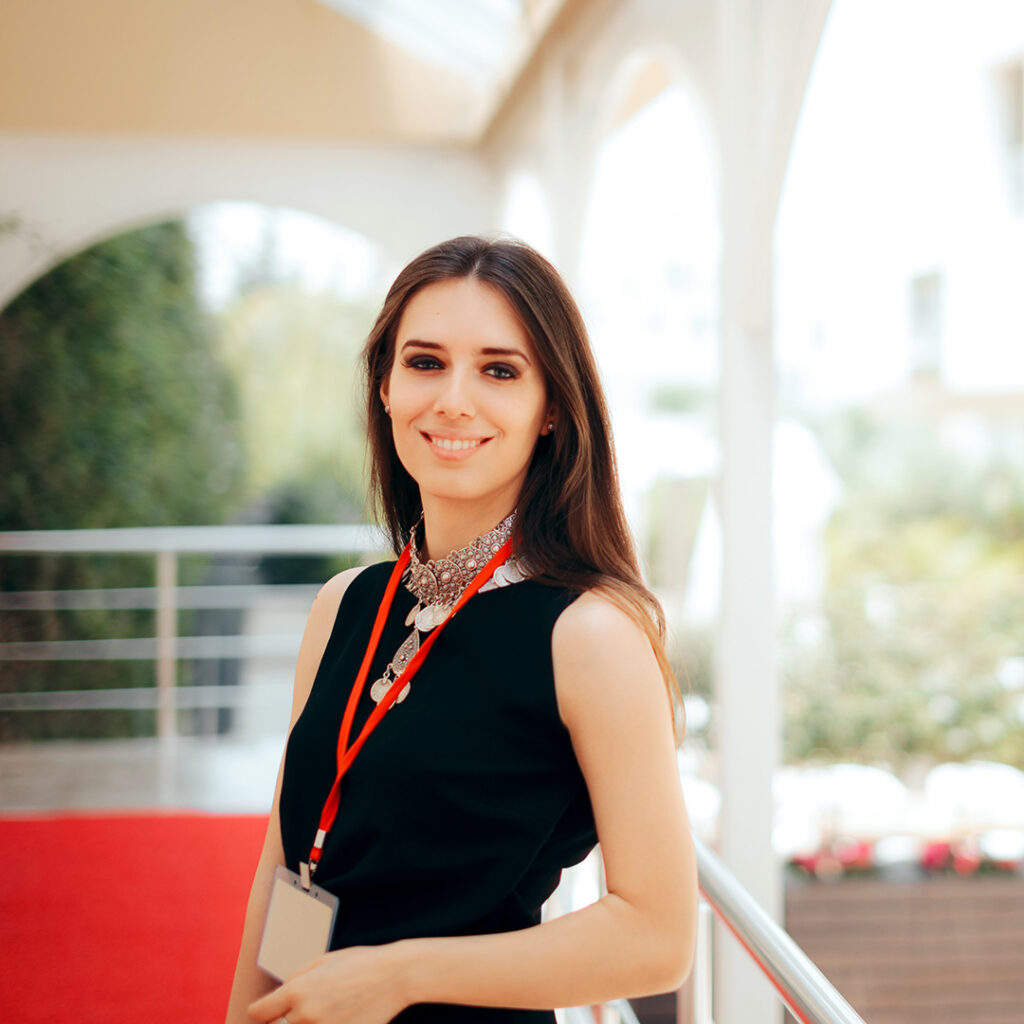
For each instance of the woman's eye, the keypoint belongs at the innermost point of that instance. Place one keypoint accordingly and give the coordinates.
(423, 363)
(502, 371)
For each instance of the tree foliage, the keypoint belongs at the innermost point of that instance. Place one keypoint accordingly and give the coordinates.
(905, 659)
(115, 410)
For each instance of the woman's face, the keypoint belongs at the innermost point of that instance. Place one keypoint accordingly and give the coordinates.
(468, 399)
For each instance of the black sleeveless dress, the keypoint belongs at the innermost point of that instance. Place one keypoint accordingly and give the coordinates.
(466, 802)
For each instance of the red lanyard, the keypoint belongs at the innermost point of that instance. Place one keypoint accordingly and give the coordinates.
(346, 753)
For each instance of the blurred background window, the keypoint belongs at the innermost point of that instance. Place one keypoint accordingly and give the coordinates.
(901, 366)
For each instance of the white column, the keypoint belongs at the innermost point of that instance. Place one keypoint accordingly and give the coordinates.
(567, 164)
(746, 684)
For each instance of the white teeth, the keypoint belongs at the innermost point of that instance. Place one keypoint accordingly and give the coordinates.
(454, 445)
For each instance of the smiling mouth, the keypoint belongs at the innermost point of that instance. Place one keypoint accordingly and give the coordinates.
(455, 444)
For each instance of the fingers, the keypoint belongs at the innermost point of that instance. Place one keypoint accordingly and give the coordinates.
(271, 1007)
(279, 1003)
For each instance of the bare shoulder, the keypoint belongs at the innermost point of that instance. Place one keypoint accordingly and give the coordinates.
(594, 625)
(326, 605)
(601, 657)
(331, 593)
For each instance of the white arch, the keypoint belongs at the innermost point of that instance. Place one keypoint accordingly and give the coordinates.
(629, 60)
(62, 195)
(565, 110)
(653, 314)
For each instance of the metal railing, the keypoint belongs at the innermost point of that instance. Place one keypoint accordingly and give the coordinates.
(801, 986)
(700, 995)
(586, 1014)
(166, 545)
(808, 994)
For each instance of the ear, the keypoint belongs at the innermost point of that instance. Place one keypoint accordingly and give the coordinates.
(384, 392)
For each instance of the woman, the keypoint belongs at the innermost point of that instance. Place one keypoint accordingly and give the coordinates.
(533, 720)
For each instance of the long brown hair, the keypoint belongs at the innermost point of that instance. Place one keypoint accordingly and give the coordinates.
(571, 529)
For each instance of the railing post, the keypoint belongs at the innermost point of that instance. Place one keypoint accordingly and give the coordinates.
(166, 665)
(695, 999)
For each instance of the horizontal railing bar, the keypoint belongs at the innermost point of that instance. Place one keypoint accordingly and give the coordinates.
(144, 698)
(811, 997)
(227, 596)
(307, 539)
(145, 648)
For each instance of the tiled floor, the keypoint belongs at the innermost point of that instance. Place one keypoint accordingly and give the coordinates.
(206, 774)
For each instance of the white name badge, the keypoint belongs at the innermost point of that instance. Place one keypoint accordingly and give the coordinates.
(298, 925)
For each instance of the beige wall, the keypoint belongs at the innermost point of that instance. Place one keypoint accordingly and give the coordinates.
(217, 68)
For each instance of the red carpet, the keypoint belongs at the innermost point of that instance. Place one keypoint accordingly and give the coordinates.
(122, 918)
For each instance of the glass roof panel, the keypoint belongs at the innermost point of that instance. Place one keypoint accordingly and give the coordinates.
(477, 39)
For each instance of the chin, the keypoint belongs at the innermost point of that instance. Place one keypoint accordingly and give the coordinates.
(466, 495)
(468, 491)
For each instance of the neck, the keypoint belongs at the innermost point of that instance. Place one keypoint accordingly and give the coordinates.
(448, 527)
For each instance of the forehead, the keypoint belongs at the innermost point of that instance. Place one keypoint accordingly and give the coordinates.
(462, 312)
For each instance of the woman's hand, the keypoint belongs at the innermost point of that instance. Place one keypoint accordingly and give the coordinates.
(359, 985)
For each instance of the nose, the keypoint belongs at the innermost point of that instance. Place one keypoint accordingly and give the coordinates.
(454, 397)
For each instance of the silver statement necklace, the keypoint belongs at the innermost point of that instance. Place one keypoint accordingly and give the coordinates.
(437, 585)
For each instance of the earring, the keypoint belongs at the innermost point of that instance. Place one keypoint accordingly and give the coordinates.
(387, 409)
(550, 426)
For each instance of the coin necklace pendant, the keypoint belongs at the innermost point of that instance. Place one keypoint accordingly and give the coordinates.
(437, 586)
(427, 618)
(396, 667)
(424, 620)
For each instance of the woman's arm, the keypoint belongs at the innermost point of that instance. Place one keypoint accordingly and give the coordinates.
(636, 940)
(250, 982)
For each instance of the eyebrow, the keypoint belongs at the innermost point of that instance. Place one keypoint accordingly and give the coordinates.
(489, 351)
